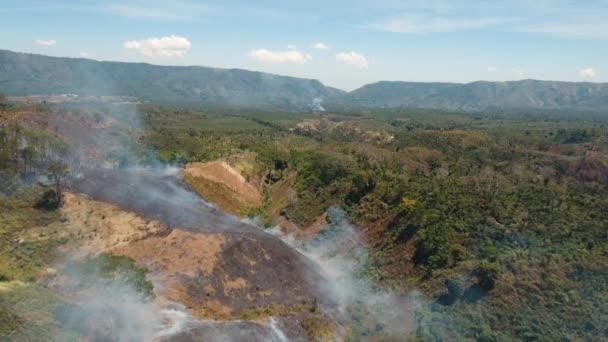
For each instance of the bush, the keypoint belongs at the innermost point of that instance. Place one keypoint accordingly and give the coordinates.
(49, 200)
(486, 273)
(455, 286)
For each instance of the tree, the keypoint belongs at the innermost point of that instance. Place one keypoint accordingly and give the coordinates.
(57, 173)
(4, 104)
(455, 286)
(486, 273)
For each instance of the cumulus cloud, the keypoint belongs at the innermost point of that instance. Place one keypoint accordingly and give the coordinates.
(290, 56)
(320, 46)
(164, 47)
(50, 42)
(492, 69)
(587, 73)
(353, 58)
(291, 47)
(85, 54)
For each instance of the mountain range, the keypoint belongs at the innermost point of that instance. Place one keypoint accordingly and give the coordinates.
(27, 74)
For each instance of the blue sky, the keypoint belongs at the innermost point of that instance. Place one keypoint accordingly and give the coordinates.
(342, 43)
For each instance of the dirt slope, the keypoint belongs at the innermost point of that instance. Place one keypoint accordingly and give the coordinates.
(224, 186)
(93, 227)
(216, 265)
(221, 276)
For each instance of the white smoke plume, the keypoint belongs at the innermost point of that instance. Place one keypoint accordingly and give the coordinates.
(317, 105)
(109, 307)
(340, 253)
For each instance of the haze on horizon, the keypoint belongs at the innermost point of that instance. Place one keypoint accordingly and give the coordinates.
(343, 44)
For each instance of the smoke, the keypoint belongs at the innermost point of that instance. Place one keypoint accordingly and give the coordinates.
(106, 164)
(340, 254)
(279, 335)
(111, 304)
(270, 330)
(316, 105)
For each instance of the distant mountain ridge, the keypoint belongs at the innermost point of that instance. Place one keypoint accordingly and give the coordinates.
(27, 74)
(481, 95)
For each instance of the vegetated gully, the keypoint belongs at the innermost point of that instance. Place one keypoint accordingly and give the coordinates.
(261, 258)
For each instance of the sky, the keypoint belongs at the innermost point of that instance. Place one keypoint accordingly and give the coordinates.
(344, 44)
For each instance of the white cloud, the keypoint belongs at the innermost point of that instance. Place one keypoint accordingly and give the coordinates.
(559, 18)
(289, 56)
(424, 23)
(587, 27)
(291, 47)
(84, 54)
(164, 47)
(587, 73)
(492, 69)
(353, 58)
(50, 42)
(320, 46)
(175, 10)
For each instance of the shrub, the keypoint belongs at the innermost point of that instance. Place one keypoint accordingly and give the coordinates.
(49, 200)
(486, 273)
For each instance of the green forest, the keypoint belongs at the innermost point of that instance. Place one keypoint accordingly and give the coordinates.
(499, 218)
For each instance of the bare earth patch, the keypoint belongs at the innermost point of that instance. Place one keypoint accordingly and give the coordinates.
(221, 184)
(214, 275)
(92, 227)
(221, 172)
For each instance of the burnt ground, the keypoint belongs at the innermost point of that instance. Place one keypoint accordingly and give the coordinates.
(246, 274)
(218, 266)
(281, 329)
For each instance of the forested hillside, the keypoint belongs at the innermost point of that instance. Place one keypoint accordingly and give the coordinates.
(498, 218)
(481, 95)
(27, 74)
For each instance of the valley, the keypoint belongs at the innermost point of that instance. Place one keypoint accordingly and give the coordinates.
(342, 225)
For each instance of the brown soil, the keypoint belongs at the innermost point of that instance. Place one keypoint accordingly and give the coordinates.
(306, 233)
(179, 253)
(217, 266)
(220, 183)
(92, 227)
(219, 276)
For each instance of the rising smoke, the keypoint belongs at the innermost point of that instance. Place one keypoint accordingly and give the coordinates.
(111, 306)
(317, 105)
(106, 164)
(340, 254)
